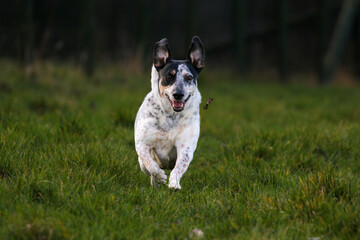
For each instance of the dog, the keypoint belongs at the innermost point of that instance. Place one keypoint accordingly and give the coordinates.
(167, 125)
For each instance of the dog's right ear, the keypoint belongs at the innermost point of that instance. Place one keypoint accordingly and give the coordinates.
(197, 53)
(161, 53)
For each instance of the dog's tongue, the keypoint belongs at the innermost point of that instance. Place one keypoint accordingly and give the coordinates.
(178, 104)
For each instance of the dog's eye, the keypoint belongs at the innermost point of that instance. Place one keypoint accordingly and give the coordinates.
(189, 78)
(169, 77)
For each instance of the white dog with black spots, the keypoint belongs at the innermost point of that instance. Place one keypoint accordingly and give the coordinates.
(167, 125)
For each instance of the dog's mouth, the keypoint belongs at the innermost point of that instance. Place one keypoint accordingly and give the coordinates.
(177, 106)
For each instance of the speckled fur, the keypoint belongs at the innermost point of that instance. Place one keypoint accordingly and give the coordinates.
(171, 135)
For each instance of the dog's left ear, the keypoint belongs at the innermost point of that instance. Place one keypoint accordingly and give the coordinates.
(197, 53)
(161, 53)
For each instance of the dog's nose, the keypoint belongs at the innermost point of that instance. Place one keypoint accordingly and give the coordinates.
(178, 95)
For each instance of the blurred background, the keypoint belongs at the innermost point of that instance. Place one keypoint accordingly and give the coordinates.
(311, 41)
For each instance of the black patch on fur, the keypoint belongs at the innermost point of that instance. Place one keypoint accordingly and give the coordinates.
(171, 117)
(155, 106)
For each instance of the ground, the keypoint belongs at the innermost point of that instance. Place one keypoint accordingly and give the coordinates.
(273, 162)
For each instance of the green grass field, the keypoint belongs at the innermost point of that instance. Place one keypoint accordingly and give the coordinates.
(273, 162)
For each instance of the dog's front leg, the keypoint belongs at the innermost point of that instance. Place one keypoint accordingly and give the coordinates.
(157, 175)
(185, 155)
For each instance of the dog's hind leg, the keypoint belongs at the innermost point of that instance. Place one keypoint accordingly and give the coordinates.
(152, 178)
(143, 168)
(149, 166)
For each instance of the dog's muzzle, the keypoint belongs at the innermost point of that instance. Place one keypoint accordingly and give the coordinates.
(177, 106)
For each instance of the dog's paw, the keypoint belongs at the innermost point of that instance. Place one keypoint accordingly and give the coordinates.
(158, 178)
(174, 184)
(161, 176)
(153, 181)
(174, 181)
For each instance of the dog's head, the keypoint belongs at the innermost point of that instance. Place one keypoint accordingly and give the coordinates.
(178, 78)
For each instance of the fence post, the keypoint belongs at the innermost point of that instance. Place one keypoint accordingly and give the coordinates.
(239, 34)
(89, 38)
(142, 30)
(357, 45)
(24, 15)
(323, 35)
(283, 41)
(28, 33)
(25, 34)
(338, 39)
(190, 20)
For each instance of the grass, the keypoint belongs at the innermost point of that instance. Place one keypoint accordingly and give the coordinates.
(273, 162)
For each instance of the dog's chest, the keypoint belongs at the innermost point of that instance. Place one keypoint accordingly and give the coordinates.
(169, 131)
(167, 134)
(166, 152)
(164, 147)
